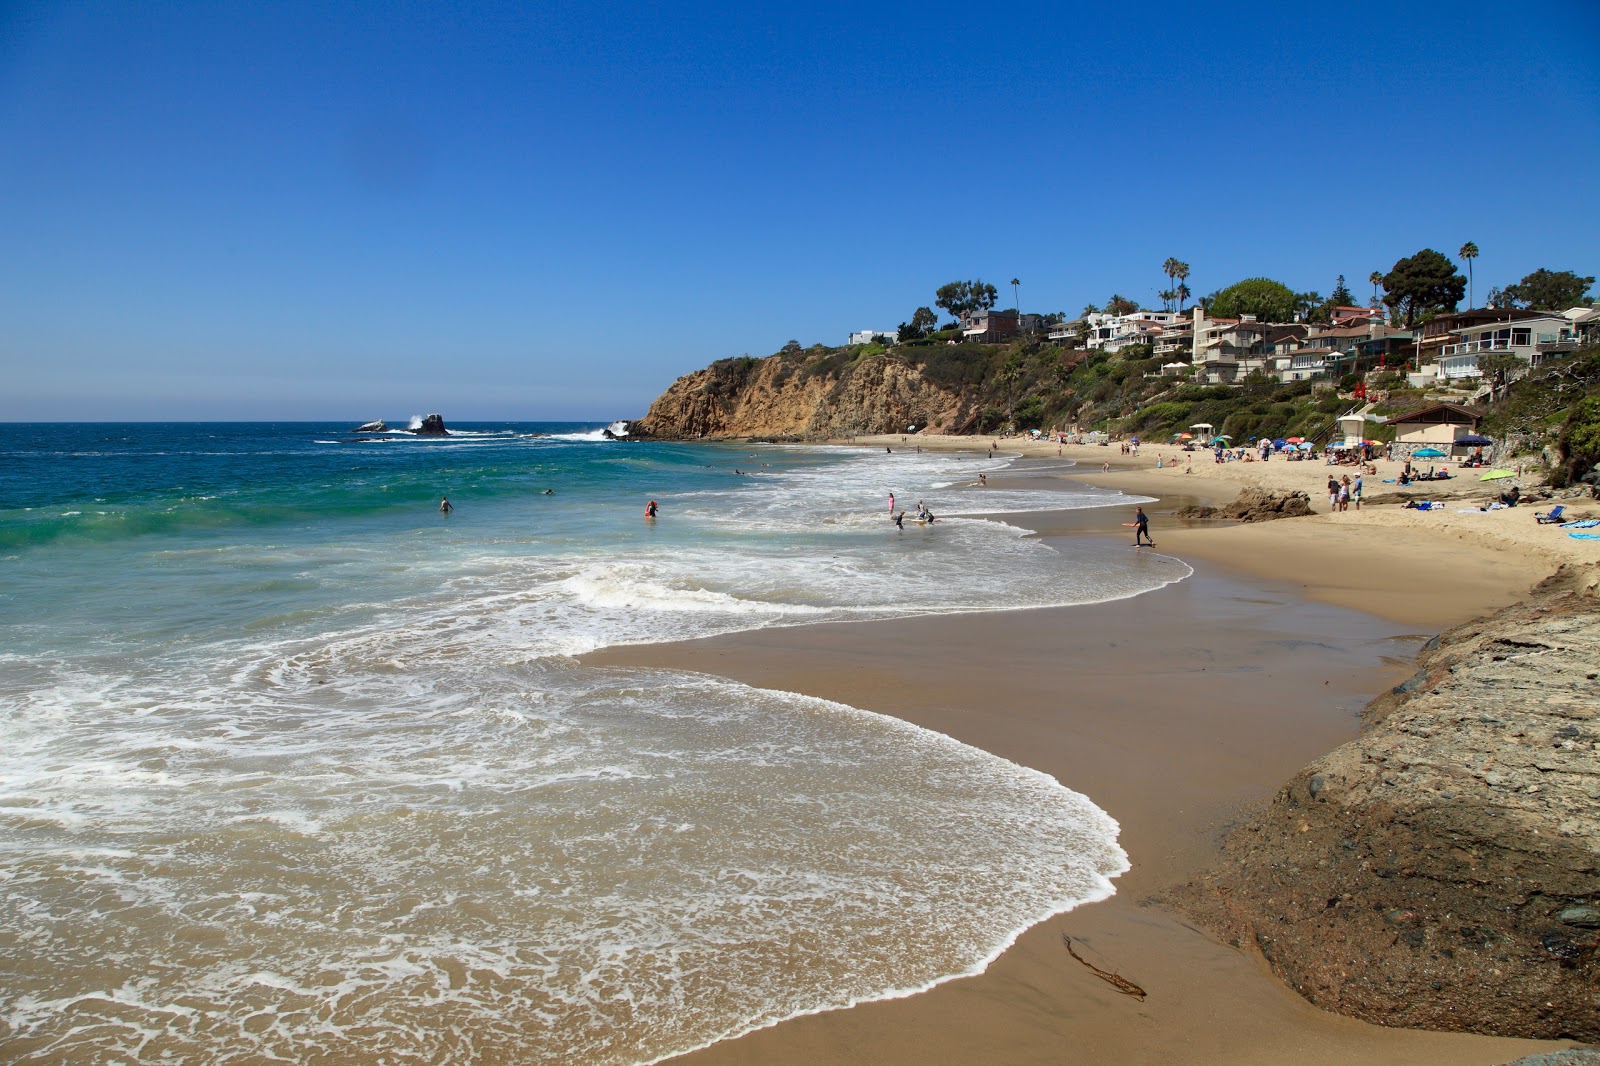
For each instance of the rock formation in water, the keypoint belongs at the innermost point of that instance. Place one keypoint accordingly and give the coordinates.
(432, 426)
(800, 398)
(375, 426)
(1442, 870)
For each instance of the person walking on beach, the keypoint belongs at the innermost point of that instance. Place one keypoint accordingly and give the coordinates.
(1355, 490)
(444, 505)
(1333, 494)
(1344, 493)
(1141, 527)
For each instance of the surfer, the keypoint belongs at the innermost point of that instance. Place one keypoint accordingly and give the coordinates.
(444, 505)
(1141, 527)
(650, 509)
(900, 521)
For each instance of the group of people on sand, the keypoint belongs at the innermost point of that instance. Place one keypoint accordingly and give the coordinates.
(1341, 491)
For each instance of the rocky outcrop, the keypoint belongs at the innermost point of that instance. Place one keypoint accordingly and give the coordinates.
(1254, 505)
(432, 426)
(787, 398)
(1442, 871)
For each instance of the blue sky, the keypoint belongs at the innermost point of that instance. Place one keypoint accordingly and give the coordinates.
(541, 211)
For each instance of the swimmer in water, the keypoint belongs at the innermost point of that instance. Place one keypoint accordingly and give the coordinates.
(650, 509)
(444, 505)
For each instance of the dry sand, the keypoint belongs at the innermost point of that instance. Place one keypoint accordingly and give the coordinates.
(1173, 711)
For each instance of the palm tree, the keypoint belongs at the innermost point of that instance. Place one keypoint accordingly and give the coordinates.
(1376, 279)
(1170, 268)
(1469, 252)
(1018, 299)
(1182, 274)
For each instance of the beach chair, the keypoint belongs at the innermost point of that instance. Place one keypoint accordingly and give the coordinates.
(1550, 517)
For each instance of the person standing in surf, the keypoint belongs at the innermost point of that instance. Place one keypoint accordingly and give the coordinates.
(444, 505)
(1141, 527)
(650, 509)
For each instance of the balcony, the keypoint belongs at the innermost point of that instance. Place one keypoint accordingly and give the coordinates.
(1497, 345)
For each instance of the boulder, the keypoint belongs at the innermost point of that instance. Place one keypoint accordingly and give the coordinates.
(1254, 505)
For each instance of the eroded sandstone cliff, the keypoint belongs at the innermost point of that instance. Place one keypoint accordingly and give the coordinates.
(1443, 870)
(803, 399)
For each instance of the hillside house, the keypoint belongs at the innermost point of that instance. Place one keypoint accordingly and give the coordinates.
(1114, 332)
(879, 336)
(1531, 339)
(987, 326)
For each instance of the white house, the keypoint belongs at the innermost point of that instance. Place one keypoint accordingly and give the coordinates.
(1529, 339)
(1113, 332)
(868, 336)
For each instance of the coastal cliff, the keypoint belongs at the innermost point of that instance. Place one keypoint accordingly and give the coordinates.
(803, 396)
(1442, 870)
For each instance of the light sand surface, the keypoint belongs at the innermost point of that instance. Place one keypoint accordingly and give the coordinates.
(1174, 711)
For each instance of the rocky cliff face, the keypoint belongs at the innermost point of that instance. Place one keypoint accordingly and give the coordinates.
(799, 399)
(1442, 871)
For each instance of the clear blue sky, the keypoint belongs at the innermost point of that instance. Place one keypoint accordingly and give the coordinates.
(550, 211)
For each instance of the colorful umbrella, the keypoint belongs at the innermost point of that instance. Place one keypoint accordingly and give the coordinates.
(1185, 436)
(1305, 446)
(1428, 453)
(1294, 440)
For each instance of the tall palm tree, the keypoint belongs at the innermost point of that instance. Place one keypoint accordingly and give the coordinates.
(1469, 252)
(1182, 274)
(1017, 299)
(1170, 268)
(1377, 279)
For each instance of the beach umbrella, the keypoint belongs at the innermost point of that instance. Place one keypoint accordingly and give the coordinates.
(1496, 475)
(1474, 440)
(1294, 440)
(1428, 453)
(1185, 436)
(1280, 444)
(1305, 446)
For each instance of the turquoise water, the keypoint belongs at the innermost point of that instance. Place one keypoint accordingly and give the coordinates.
(294, 766)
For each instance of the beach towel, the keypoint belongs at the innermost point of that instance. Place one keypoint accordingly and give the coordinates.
(1582, 523)
(1584, 536)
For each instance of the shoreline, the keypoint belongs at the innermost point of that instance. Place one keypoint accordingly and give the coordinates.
(1156, 734)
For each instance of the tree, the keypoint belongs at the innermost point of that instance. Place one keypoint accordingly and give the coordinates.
(1309, 306)
(1469, 252)
(1268, 300)
(1170, 269)
(1549, 290)
(1121, 305)
(922, 322)
(1182, 274)
(1376, 279)
(1017, 299)
(960, 297)
(1423, 284)
(1341, 294)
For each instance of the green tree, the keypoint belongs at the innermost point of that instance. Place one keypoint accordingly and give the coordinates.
(1016, 299)
(1341, 296)
(1121, 305)
(1310, 307)
(959, 297)
(1268, 300)
(1549, 290)
(1183, 289)
(922, 322)
(1170, 269)
(1469, 252)
(1376, 279)
(1423, 284)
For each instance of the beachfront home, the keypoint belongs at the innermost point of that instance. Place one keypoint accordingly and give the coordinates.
(1438, 332)
(988, 326)
(1530, 339)
(880, 336)
(1111, 333)
(1438, 427)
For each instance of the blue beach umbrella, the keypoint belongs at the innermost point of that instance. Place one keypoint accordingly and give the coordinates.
(1428, 453)
(1280, 444)
(1305, 446)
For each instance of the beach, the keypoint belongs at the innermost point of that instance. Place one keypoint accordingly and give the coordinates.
(1176, 711)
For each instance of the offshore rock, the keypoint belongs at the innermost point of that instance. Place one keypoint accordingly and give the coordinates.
(1254, 505)
(432, 426)
(781, 398)
(1442, 870)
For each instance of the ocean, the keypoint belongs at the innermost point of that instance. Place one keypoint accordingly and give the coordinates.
(294, 767)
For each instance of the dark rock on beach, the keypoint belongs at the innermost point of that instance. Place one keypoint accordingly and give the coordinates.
(1254, 505)
(1442, 871)
(432, 426)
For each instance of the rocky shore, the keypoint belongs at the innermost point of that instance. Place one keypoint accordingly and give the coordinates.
(1443, 870)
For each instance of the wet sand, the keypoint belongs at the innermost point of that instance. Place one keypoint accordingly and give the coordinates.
(1173, 711)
